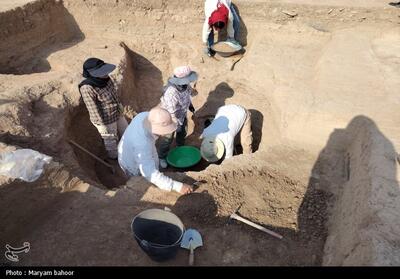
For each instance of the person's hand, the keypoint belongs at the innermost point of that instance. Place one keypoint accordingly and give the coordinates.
(186, 189)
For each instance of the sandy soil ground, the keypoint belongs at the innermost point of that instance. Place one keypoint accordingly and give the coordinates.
(322, 87)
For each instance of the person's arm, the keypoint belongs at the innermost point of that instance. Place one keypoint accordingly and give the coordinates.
(209, 7)
(89, 98)
(149, 171)
(206, 31)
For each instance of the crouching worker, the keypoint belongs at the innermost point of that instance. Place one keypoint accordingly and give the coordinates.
(218, 138)
(177, 100)
(219, 14)
(101, 100)
(137, 153)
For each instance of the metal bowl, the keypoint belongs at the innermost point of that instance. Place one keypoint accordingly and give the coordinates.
(235, 48)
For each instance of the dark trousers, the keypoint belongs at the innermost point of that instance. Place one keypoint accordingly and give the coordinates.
(165, 141)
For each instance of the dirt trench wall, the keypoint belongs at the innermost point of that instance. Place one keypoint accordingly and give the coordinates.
(364, 227)
(28, 34)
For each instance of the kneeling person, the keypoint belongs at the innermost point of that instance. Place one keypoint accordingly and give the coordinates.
(137, 153)
(219, 136)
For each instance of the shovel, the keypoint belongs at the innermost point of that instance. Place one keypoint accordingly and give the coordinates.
(191, 240)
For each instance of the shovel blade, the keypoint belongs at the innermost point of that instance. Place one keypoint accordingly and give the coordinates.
(191, 239)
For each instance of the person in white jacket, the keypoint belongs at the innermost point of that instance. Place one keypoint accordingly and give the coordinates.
(137, 153)
(218, 15)
(218, 138)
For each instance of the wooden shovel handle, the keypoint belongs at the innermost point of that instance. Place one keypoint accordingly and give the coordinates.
(254, 225)
(191, 257)
(92, 155)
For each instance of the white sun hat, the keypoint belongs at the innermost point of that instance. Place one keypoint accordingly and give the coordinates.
(212, 149)
(159, 122)
(183, 75)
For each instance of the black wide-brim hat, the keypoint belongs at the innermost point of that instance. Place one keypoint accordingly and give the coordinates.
(97, 67)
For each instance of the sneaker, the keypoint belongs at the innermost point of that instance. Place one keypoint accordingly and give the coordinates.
(163, 163)
(209, 52)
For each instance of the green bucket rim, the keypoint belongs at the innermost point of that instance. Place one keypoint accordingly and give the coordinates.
(195, 162)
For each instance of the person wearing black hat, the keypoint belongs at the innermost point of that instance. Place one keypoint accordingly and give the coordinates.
(102, 102)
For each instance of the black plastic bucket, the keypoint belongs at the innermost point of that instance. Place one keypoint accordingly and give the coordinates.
(159, 233)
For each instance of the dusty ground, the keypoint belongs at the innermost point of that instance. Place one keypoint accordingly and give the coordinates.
(323, 90)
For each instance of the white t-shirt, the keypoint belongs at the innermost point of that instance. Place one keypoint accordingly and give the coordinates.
(226, 125)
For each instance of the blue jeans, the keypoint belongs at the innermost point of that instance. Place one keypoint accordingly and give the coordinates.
(236, 25)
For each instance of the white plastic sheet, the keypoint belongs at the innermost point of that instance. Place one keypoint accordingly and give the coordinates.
(25, 164)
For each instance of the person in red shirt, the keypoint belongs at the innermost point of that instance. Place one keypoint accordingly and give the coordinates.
(219, 14)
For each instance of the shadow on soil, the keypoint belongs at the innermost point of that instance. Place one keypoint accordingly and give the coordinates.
(344, 162)
(50, 29)
(141, 87)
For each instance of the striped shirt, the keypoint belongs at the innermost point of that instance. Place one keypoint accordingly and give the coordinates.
(177, 103)
(102, 103)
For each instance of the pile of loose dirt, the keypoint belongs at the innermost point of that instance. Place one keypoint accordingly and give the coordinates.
(262, 195)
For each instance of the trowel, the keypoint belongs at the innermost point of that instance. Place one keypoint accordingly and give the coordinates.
(191, 240)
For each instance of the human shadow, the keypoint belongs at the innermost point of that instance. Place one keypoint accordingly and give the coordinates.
(357, 165)
(51, 28)
(141, 86)
(216, 99)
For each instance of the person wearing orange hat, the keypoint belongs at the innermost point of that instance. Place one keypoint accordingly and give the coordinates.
(137, 153)
(219, 14)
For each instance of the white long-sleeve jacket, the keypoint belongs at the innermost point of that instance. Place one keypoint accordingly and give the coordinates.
(209, 7)
(137, 153)
(226, 125)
